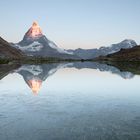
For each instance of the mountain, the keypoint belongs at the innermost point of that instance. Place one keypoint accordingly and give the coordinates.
(35, 43)
(93, 53)
(8, 52)
(132, 54)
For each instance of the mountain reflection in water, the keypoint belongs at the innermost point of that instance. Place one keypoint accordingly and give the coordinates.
(34, 75)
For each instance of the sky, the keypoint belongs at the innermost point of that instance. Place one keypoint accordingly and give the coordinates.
(72, 23)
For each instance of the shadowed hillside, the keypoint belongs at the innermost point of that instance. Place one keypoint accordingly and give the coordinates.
(8, 52)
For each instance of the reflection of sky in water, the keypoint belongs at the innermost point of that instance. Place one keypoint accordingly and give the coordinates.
(71, 104)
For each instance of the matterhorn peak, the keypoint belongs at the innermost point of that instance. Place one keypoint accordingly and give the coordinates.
(35, 31)
(34, 43)
(35, 23)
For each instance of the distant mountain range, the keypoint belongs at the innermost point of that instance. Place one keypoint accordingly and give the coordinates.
(35, 44)
(103, 51)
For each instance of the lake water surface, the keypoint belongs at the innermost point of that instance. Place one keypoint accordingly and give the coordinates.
(69, 101)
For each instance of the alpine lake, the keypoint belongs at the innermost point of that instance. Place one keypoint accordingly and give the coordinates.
(70, 101)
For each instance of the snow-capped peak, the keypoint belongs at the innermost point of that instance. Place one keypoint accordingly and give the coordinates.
(34, 43)
(35, 31)
(129, 41)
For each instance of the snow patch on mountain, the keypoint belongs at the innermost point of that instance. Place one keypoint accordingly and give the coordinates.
(60, 50)
(33, 47)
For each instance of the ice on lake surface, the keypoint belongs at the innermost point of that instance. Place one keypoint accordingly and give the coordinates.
(69, 101)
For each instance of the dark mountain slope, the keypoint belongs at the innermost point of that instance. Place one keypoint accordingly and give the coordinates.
(8, 52)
